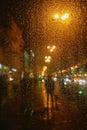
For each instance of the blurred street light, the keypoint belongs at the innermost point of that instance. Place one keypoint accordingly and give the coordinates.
(56, 16)
(44, 70)
(48, 59)
(51, 48)
(63, 17)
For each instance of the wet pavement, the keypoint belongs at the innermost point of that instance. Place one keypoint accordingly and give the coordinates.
(26, 109)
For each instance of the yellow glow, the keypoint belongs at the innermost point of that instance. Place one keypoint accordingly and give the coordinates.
(72, 68)
(44, 69)
(76, 66)
(47, 60)
(54, 46)
(85, 74)
(51, 50)
(49, 57)
(48, 47)
(46, 57)
(65, 16)
(63, 71)
(56, 16)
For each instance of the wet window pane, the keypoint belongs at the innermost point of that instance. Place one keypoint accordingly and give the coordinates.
(43, 65)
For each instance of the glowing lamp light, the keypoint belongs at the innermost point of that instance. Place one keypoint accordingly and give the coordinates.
(10, 79)
(49, 57)
(76, 66)
(51, 50)
(44, 69)
(80, 92)
(72, 68)
(13, 69)
(55, 78)
(54, 46)
(43, 80)
(33, 55)
(45, 57)
(0, 66)
(48, 47)
(56, 16)
(47, 60)
(65, 83)
(65, 16)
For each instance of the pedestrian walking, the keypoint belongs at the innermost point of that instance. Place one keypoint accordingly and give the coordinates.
(56, 91)
(49, 84)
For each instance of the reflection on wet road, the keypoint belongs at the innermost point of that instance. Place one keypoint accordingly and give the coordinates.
(25, 109)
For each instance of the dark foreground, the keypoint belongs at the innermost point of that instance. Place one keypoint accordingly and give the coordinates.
(25, 109)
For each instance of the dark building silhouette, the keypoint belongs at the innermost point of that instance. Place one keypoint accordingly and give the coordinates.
(11, 44)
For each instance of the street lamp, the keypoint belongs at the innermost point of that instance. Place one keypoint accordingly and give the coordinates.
(47, 59)
(51, 48)
(63, 17)
(44, 70)
(56, 16)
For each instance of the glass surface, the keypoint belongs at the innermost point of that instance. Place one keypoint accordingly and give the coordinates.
(43, 65)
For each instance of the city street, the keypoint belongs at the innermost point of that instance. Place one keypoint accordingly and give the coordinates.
(43, 65)
(27, 110)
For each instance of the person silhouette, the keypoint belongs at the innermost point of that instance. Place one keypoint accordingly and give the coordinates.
(56, 92)
(49, 84)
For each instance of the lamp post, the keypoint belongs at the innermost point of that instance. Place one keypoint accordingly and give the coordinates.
(61, 18)
(51, 47)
